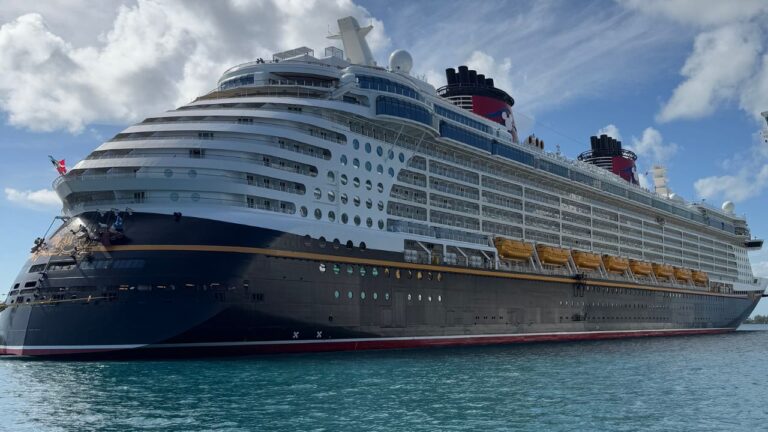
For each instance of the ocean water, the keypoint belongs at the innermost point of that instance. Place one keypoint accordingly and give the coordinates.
(695, 383)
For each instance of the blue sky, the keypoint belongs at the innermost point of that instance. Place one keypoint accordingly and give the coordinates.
(682, 82)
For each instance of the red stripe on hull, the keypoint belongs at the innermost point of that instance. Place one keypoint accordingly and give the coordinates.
(347, 345)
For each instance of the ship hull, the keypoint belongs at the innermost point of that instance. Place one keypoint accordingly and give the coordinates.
(188, 286)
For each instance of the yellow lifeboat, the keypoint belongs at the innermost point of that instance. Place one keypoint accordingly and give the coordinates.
(682, 274)
(586, 260)
(663, 270)
(552, 255)
(513, 249)
(699, 277)
(615, 264)
(640, 268)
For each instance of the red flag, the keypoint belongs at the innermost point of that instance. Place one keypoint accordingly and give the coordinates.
(60, 166)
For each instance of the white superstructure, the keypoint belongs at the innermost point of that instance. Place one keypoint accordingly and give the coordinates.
(349, 151)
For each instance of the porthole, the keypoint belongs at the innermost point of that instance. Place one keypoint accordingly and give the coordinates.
(357, 220)
(369, 222)
(350, 269)
(397, 274)
(332, 216)
(419, 297)
(367, 147)
(429, 275)
(168, 173)
(375, 296)
(391, 154)
(356, 201)
(375, 271)
(349, 295)
(174, 196)
(439, 277)
(336, 243)
(318, 193)
(380, 205)
(318, 214)
(356, 182)
(344, 198)
(391, 172)
(362, 295)
(401, 157)
(195, 196)
(321, 241)
(336, 294)
(380, 187)
(344, 218)
(322, 268)
(362, 246)
(343, 159)
(379, 151)
(386, 271)
(331, 196)
(368, 166)
(344, 179)
(336, 270)
(356, 163)
(331, 177)
(362, 271)
(379, 169)
(381, 224)
(439, 298)
(355, 143)
(192, 173)
(386, 296)
(429, 298)
(409, 297)
(368, 185)
(410, 274)
(419, 276)
(368, 203)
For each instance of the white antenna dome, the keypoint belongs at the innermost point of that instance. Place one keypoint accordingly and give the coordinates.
(728, 207)
(400, 61)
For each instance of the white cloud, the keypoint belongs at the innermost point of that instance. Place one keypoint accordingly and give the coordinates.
(651, 146)
(748, 177)
(700, 12)
(723, 62)
(611, 130)
(738, 187)
(154, 56)
(43, 198)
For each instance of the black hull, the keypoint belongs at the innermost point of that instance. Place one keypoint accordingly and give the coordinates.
(199, 287)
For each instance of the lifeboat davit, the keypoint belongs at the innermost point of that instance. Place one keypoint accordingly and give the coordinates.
(553, 255)
(513, 249)
(615, 264)
(640, 268)
(663, 270)
(586, 260)
(699, 277)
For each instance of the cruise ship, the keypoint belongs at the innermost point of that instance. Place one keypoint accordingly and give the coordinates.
(324, 202)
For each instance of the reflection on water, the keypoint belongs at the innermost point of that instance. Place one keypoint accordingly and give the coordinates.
(703, 383)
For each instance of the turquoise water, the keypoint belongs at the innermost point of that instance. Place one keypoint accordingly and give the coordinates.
(698, 383)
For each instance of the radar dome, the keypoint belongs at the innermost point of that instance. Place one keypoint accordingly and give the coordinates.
(728, 207)
(400, 61)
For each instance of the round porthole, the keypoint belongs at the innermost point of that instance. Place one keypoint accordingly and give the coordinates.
(343, 159)
(380, 169)
(349, 295)
(368, 185)
(356, 201)
(357, 220)
(336, 294)
(331, 216)
(379, 151)
(331, 177)
(391, 172)
(322, 268)
(356, 163)
(355, 143)
(318, 214)
(368, 166)
(356, 182)
(367, 147)
(344, 198)
(362, 295)
(318, 193)
(368, 203)
(303, 211)
(331, 196)
(386, 296)
(391, 154)
(344, 218)
(344, 179)
(369, 222)
(401, 157)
